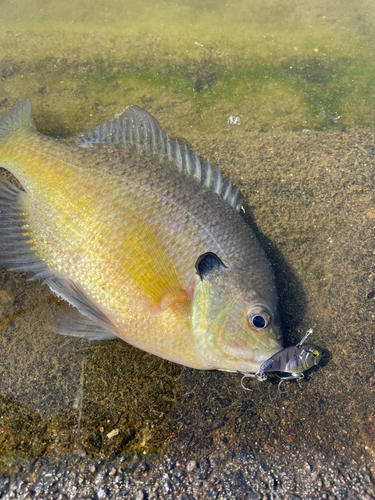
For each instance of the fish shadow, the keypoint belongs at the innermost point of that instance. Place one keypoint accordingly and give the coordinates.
(291, 296)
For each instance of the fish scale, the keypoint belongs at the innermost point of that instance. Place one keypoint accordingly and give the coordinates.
(116, 223)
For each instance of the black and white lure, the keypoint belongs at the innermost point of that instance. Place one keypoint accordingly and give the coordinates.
(292, 360)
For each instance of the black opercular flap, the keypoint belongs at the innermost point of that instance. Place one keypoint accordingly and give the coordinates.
(207, 263)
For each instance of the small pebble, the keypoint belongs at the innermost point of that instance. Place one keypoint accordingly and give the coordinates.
(112, 472)
(191, 465)
(113, 433)
(6, 298)
(234, 120)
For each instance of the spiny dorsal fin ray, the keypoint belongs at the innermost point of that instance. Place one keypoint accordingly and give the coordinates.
(19, 117)
(137, 129)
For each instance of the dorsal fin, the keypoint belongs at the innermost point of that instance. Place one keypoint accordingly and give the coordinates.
(136, 129)
(18, 117)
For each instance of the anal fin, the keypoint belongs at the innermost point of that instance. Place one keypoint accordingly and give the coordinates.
(70, 322)
(86, 320)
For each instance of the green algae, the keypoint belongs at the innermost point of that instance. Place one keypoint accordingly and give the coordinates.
(62, 396)
(281, 67)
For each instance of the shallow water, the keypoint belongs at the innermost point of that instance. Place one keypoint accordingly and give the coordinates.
(297, 81)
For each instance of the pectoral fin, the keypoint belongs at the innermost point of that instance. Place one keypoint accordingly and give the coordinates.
(147, 262)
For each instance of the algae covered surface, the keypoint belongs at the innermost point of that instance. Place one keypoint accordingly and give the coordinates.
(280, 65)
(280, 95)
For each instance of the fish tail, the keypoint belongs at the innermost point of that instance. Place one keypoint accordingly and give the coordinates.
(17, 249)
(18, 118)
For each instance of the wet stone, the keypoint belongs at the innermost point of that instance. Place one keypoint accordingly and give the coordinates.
(204, 468)
(171, 465)
(140, 495)
(254, 496)
(167, 487)
(191, 465)
(239, 479)
(175, 480)
(87, 492)
(103, 493)
(246, 455)
(142, 467)
(100, 477)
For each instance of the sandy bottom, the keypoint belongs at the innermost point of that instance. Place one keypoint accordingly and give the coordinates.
(310, 199)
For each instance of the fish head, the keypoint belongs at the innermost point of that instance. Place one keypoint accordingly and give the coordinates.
(235, 327)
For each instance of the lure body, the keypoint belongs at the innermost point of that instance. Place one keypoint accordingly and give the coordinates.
(294, 360)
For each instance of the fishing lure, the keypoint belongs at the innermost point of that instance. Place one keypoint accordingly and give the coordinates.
(293, 360)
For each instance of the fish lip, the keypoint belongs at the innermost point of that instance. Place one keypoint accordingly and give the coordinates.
(271, 352)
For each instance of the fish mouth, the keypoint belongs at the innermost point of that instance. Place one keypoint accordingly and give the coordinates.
(260, 355)
(252, 368)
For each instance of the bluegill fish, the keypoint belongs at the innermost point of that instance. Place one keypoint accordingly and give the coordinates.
(144, 241)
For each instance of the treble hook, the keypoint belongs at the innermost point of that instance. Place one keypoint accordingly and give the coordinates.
(259, 376)
(295, 376)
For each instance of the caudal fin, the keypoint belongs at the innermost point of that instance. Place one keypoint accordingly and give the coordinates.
(18, 117)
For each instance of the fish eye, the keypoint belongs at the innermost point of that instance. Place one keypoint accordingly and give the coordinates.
(258, 318)
(315, 353)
